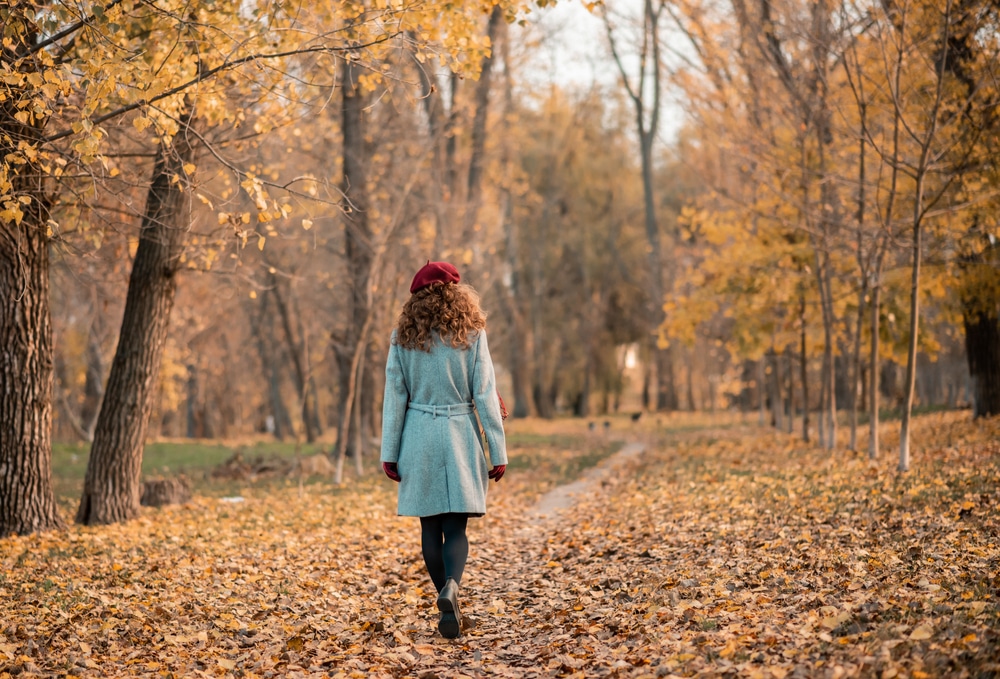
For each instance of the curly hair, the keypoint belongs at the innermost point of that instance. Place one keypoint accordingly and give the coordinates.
(451, 309)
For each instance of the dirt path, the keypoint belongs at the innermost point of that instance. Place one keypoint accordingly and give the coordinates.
(563, 497)
(533, 616)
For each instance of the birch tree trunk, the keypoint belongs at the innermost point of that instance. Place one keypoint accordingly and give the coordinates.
(873, 361)
(911, 351)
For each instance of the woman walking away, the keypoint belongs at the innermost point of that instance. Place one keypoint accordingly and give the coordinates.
(438, 376)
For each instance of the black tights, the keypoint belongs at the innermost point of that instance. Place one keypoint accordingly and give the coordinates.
(445, 546)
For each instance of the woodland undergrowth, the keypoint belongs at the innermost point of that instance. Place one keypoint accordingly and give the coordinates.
(718, 551)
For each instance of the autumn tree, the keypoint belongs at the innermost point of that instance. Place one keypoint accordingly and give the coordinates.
(644, 90)
(885, 142)
(579, 276)
(72, 72)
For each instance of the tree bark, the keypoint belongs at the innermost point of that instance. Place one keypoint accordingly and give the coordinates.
(791, 390)
(112, 490)
(93, 389)
(762, 391)
(804, 368)
(856, 364)
(358, 251)
(911, 351)
(439, 192)
(520, 346)
(921, 173)
(27, 356)
(981, 320)
(861, 256)
(647, 117)
(27, 503)
(873, 361)
(777, 401)
(298, 351)
(478, 134)
(269, 362)
(982, 347)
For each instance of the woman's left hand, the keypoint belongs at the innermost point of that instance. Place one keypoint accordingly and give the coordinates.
(497, 472)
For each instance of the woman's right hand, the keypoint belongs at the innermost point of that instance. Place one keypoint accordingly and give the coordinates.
(497, 472)
(391, 470)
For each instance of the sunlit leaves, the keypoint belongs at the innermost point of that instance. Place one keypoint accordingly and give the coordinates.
(152, 64)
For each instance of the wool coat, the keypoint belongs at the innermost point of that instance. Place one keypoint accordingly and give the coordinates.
(430, 429)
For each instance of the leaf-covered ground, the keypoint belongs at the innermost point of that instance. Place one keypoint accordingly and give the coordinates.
(722, 550)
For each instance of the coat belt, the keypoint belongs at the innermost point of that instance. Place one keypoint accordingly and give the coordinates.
(453, 410)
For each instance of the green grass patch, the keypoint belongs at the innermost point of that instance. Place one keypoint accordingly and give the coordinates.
(170, 458)
(557, 455)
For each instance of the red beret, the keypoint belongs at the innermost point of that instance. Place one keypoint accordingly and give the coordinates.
(434, 272)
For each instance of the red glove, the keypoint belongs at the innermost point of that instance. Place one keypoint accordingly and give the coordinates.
(497, 472)
(391, 470)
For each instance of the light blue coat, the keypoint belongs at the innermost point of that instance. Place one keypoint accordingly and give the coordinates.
(429, 427)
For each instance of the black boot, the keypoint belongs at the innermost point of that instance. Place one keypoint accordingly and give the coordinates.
(450, 623)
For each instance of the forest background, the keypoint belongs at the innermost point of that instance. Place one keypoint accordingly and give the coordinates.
(212, 211)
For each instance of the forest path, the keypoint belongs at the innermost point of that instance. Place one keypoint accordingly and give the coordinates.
(536, 616)
(563, 497)
(722, 550)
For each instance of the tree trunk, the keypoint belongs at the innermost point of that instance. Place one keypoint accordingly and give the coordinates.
(804, 368)
(690, 382)
(666, 398)
(112, 490)
(828, 400)
(647, 117)
(27, 504)
(911, 353)
(873, 362)
(269, 365)
(762, 391)
(520, 346)
(982, 347)
(862, 267)
(193, 430)
(478, 133)
(856, 364)
(981, 320)
(93, 389)
(791, 389)
(821, 412)
(358, 416)
(357, 249)
(777, 402)
(430, 95)
(297, 350)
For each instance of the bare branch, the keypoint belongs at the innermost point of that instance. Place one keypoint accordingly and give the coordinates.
(209, 73)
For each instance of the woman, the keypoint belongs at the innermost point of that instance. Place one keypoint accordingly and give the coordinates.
(438, 377)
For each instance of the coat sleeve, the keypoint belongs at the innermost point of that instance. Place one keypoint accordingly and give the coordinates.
(484, 394)
(393, 406)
